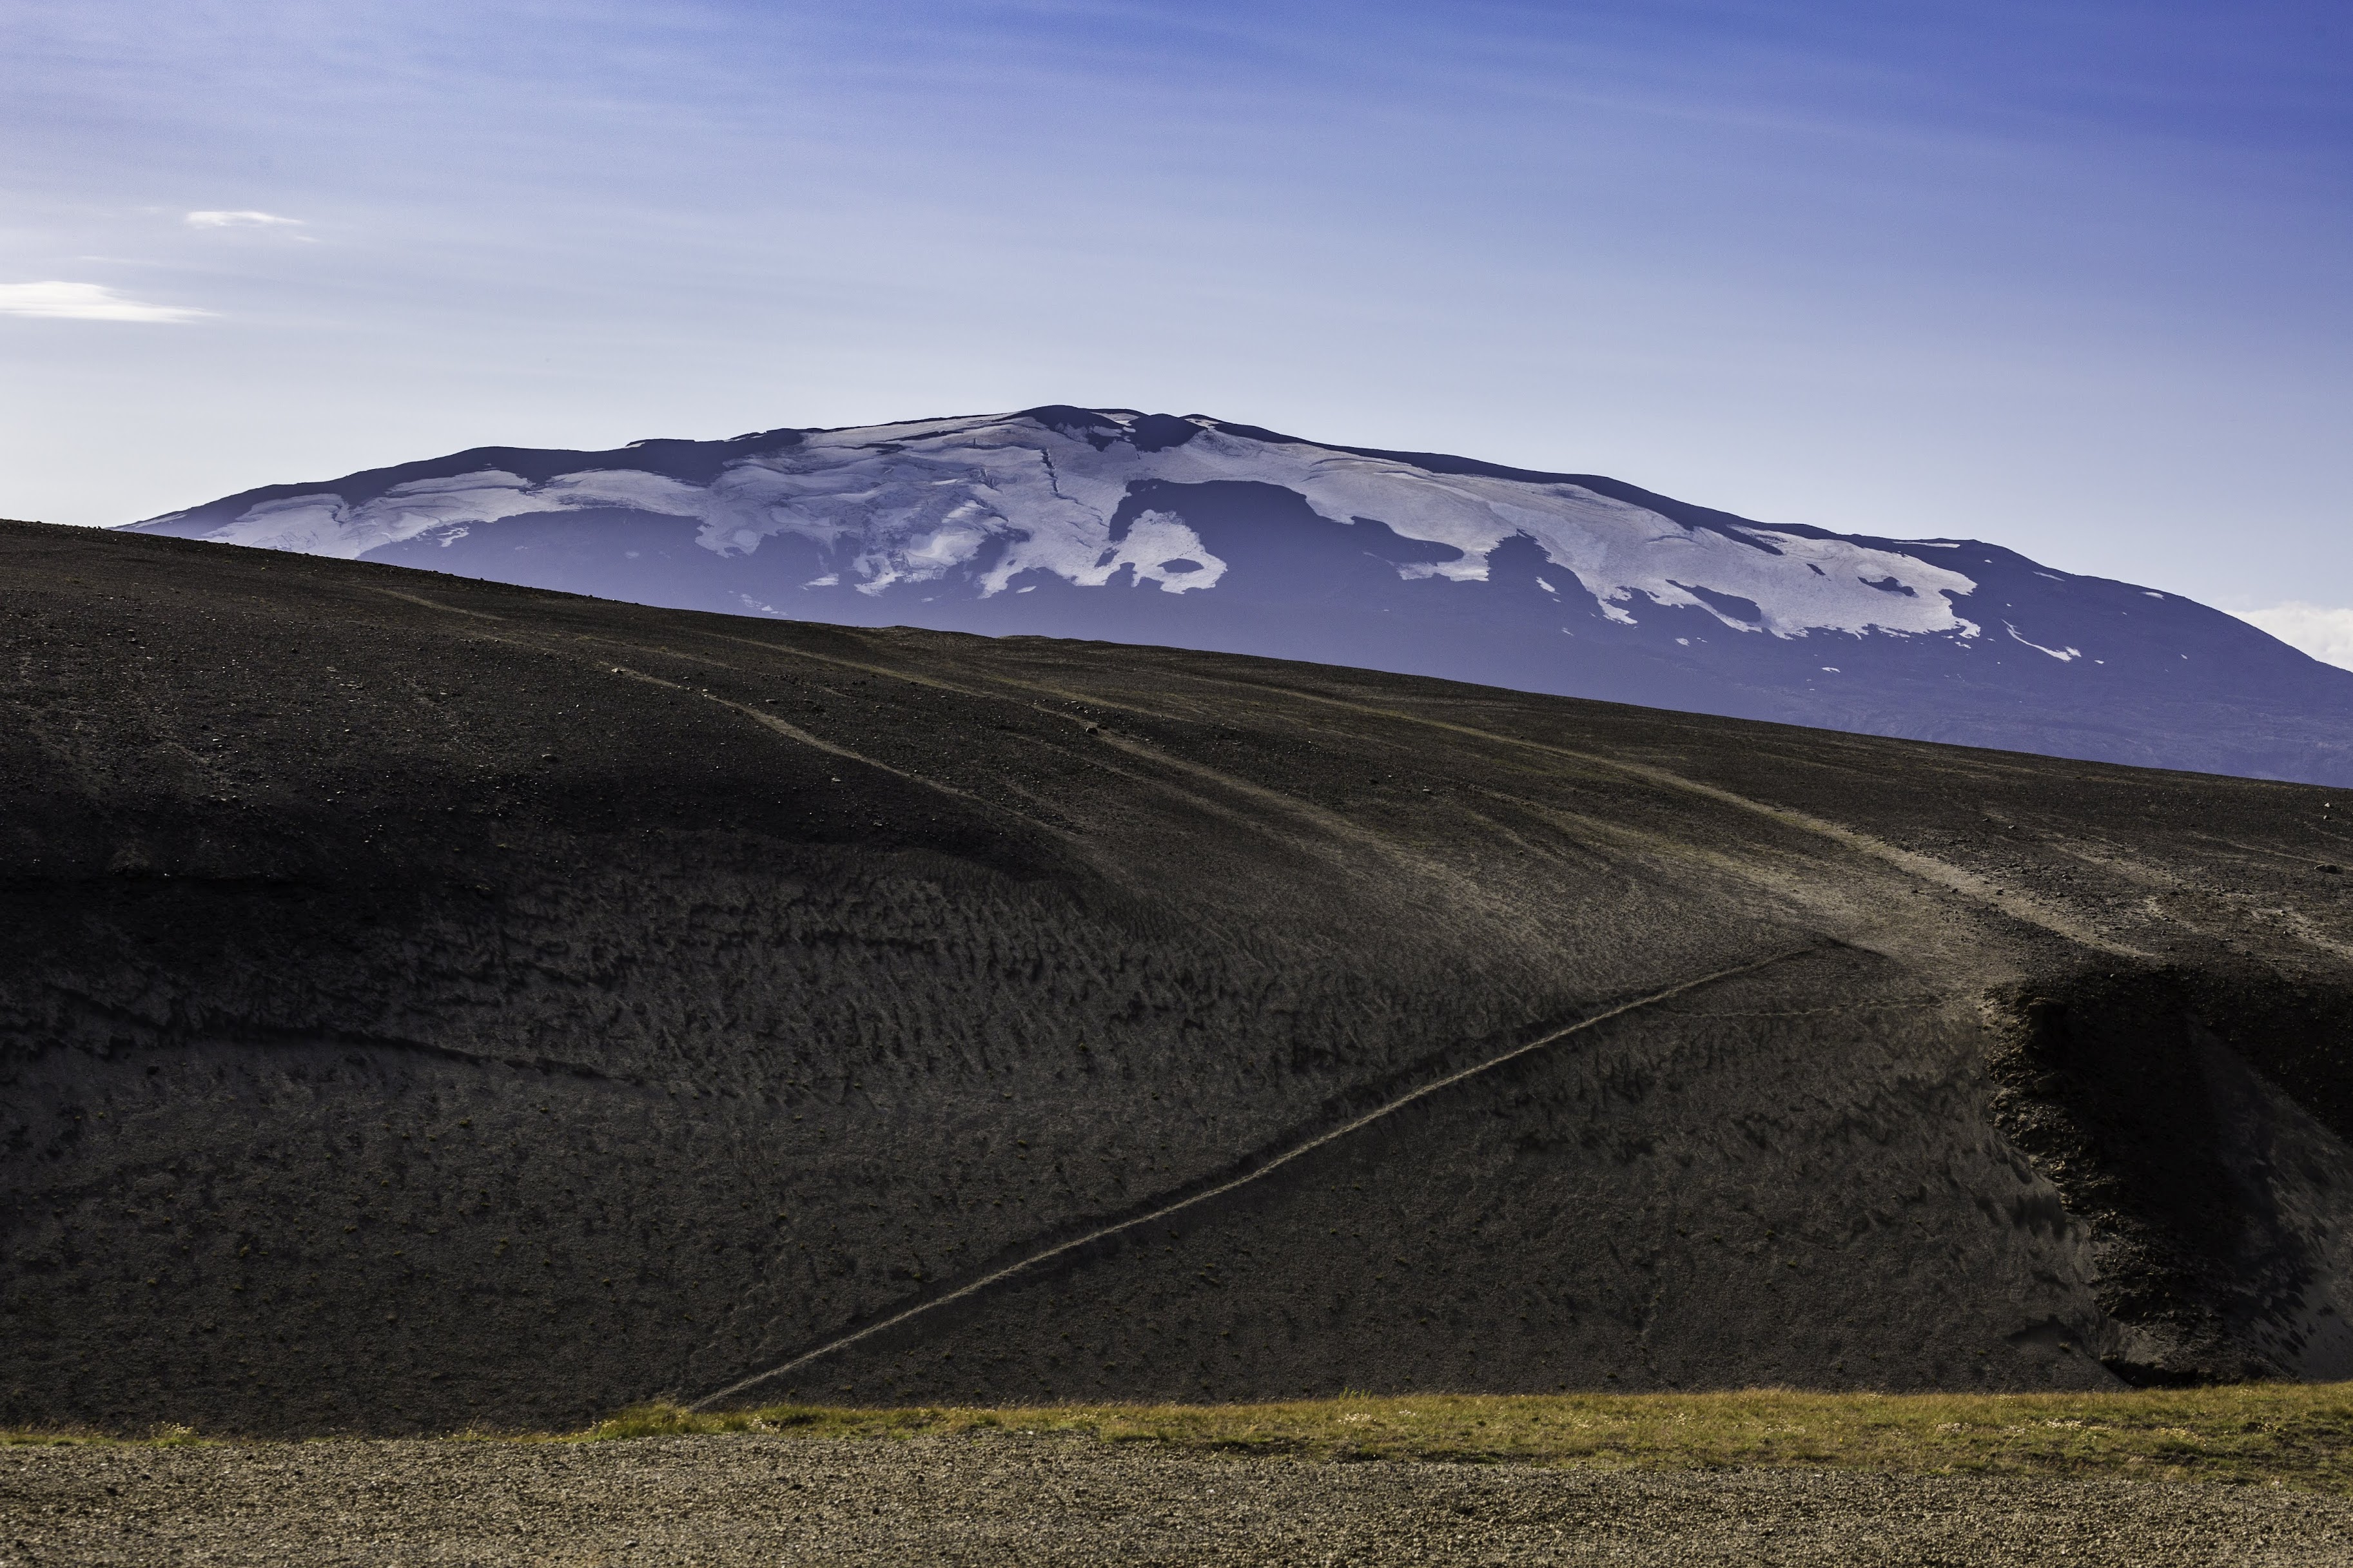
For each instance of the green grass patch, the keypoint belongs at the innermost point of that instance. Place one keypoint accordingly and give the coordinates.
(2296, 1435)
(2279, 1433)
(165, 1436)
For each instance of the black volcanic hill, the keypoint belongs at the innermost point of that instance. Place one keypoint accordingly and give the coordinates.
(427, 1003)
(1197, 532)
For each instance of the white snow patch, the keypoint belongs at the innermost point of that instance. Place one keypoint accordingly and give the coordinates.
(322, 524)
(987, 499)
(2062, 655)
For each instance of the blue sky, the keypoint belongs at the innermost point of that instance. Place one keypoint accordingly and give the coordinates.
(2069, 276)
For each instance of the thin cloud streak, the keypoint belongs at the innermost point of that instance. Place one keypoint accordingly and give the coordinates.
(85, 302)
(241, 220)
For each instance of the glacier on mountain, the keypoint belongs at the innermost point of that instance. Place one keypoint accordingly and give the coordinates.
(991, 500)
(1418, 562)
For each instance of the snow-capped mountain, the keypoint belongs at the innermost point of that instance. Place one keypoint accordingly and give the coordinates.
(1150, 527)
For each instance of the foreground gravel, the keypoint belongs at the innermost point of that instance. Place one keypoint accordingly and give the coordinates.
(1015, 1499)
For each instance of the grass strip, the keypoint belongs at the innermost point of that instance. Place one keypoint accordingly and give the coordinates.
(2298, 1434)
(2272, 1434)
(162, 1436)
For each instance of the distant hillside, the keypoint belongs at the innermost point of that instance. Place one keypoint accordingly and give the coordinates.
(427, 1003)
(1196, 533)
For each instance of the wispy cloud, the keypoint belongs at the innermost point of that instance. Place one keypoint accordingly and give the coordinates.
(85, 302)
(2325, 633)
(241, 220)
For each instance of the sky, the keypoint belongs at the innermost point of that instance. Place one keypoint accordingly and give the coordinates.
(2068, 276)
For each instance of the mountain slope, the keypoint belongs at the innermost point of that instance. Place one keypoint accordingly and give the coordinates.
(1200, 534)
(427, 1003)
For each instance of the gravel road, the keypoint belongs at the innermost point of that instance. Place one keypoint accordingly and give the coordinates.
(1033, 1500)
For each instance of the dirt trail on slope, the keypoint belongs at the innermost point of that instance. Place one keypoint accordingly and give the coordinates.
(1267, 1167)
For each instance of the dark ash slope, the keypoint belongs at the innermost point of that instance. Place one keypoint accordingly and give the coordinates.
(427, 1003)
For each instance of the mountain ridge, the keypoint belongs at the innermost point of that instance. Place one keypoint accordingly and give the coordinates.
(1187, 531)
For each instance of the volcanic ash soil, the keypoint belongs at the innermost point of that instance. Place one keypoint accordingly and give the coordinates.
(427, 1004)
(1039, 1500)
